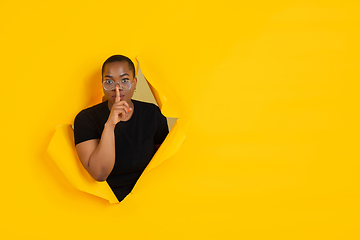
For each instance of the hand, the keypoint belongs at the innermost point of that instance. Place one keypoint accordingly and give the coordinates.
(120, 109)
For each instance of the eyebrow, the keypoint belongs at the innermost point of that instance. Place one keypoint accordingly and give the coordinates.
(124, 74)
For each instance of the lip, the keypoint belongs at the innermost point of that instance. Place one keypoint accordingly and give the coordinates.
(121, 97)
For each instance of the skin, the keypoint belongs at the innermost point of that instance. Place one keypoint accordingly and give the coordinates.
(98, 156)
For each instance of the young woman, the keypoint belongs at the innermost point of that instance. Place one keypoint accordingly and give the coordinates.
(116, 139)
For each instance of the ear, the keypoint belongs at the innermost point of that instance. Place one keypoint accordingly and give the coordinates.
(135, 81)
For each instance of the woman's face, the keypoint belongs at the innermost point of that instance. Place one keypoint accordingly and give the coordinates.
(119, 71)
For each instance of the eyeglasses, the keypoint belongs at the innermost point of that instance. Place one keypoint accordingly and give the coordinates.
(124, 85)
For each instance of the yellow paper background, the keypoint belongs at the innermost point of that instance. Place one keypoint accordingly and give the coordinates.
(267, 97)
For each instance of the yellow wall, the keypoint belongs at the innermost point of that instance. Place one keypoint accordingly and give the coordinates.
(266, 93)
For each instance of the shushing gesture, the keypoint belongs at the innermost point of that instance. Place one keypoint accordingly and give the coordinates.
(120, 109)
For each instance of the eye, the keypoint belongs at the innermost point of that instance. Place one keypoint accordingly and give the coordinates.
(108, 81)
(125, 80)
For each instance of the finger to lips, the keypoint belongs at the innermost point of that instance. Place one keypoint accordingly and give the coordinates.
(117, 109)
(122, 103)
(117, 96)
(121, 114)
(120, 108)
(126, 104)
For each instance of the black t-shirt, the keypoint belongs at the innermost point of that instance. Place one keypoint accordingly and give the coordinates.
(135, 140)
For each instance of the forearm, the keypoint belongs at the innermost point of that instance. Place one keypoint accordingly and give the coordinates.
(102, 160)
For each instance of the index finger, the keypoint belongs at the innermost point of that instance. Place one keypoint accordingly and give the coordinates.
(117, 96)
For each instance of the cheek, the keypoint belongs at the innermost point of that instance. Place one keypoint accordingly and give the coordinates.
(108, 95)
(129, 94)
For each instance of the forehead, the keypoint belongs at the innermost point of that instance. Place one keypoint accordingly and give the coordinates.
(117, 68)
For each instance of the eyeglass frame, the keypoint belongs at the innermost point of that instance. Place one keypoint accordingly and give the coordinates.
(131, 83)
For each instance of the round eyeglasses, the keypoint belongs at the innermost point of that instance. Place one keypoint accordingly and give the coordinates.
(124, 85)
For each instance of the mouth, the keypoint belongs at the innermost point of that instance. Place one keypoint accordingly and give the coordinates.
(121, 97)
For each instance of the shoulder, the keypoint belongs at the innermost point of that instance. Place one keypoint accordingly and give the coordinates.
(145, 106)
(148, 112)
(89, 123)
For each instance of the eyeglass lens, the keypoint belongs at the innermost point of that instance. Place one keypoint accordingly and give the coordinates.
(110, 85)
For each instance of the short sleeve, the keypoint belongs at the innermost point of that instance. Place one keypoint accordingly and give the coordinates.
(84, 128)
(162, 129)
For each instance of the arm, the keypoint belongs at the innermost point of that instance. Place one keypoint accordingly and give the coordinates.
(98, 156)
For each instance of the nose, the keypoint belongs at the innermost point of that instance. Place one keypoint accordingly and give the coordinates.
(117, 85)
